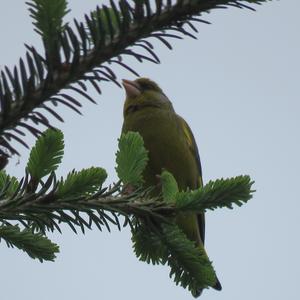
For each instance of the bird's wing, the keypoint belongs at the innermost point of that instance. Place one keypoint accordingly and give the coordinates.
(189, 137)
(200, 217)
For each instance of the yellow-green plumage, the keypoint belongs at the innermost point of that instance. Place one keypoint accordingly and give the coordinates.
(170, 143)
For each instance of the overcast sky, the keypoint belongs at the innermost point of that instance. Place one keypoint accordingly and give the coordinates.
(238, 88)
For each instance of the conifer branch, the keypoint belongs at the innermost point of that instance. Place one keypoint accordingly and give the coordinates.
(40, 202)
(35, 245)
(74, 56)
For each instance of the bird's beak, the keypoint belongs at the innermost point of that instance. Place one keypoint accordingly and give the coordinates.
(132, 88)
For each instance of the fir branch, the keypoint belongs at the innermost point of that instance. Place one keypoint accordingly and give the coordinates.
(190, 265)
(82, 52)
(50, 202)
(217, 194)
(48, 211)
(131, 158)
(35, 245)
(46, 155)
(48, 17)
(167, 244)
(8, 184)
(148, 246)
(138, 204)
(80, 201)
(48, 22)
(169, 186)
(85, 182)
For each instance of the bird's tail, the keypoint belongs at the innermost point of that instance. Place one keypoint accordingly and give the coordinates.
(197, 294)
(217, 287)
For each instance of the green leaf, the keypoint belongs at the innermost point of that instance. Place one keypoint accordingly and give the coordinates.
(46, 155)
(131, 158)
(9, 184)
(215, 194)
(190, 265)
(48, 22)
(169, 186)
(48, 17)
(34, 244)
(83, 183)
(108, 19)
(148, 246)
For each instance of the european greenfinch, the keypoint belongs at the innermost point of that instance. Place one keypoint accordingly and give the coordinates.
(171, 145)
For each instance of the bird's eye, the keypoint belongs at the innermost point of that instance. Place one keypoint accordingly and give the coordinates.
(146, 86)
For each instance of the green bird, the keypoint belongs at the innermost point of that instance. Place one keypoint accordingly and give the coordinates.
(171, 145)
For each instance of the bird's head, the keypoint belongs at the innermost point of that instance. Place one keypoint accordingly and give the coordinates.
(144, 93)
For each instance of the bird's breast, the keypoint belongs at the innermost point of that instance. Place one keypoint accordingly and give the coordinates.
(166, 145)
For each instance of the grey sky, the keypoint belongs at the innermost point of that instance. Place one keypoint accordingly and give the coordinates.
(238, 88)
